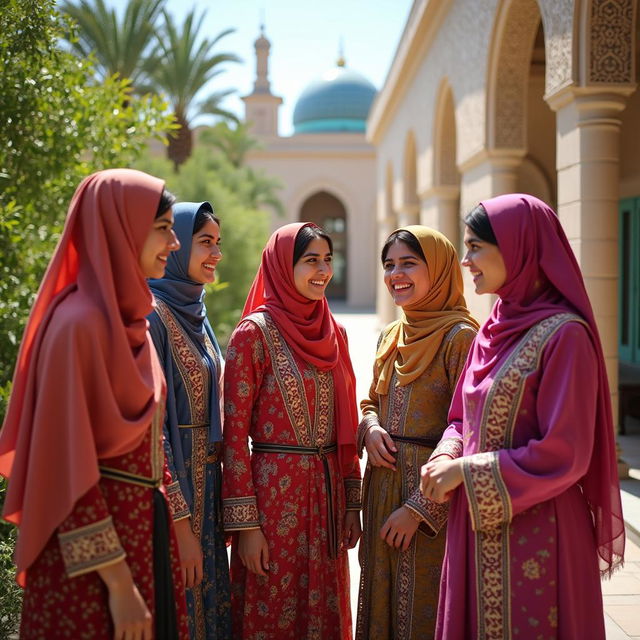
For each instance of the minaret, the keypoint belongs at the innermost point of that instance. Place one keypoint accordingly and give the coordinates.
(261, 106)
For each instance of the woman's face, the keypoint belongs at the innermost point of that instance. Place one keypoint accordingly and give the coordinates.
(205, 253)
(160, 242)
(485, 263)
(405, 274)
(314, 269)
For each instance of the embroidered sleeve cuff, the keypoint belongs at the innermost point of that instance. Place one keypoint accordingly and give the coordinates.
(177, 504)
(368, 420)
(240, 513)
(91, 547)
(489, 501)
(451, 447)
(431, 514)
(353, 492)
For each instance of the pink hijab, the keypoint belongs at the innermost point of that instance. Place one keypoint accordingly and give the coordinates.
(543, 278)
(309, 329)
(87, 381)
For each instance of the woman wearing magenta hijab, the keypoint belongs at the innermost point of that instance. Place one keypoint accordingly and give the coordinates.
(82, 440)
(293, 503)
(192, 364)
(528, 461)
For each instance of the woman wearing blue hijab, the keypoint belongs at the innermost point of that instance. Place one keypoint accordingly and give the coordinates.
(192, 363)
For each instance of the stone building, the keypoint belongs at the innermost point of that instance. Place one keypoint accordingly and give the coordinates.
(485, 97)
(327, 168)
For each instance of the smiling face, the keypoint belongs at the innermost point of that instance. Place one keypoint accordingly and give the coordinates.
(405, 274)
(485, 262)
(314, 269)
(205, 253)
(160, 242)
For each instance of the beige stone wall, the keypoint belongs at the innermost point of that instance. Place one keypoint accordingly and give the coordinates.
(344, 166)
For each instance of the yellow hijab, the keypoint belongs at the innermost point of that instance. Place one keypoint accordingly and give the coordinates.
(410, 344)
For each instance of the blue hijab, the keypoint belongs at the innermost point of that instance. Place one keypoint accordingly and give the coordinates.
(185, 298)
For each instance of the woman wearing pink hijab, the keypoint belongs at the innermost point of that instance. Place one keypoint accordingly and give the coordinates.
(528, 461)
(82, 439)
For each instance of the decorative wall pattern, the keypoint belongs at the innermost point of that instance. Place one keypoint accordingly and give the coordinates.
(512, 73)
(557, 19)
(611, 43)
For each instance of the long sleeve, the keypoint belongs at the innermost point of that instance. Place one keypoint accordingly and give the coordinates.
(178, 505)
(247, 359)
(435, 515)
(88, 540)
(501, 484)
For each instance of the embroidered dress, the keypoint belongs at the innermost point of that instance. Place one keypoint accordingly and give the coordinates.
(537, 519)
(192, 364)
(113, 520)
(200, 473)
(299, 501)
(399, 589)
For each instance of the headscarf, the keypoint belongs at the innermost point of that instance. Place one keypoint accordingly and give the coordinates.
(309, 329)
(87, 381)
(185, 298)
(417, 336)
(543, 279)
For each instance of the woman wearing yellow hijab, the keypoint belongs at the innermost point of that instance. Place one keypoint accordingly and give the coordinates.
(418, 361)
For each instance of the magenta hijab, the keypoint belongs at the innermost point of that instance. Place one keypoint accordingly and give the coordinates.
(543, 279)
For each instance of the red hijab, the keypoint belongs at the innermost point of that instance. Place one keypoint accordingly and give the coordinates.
(543, 278)
(87, 380)
(309, 329)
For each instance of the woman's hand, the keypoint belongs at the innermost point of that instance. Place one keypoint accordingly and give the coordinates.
(352, 529)
(190, 553)
(399, 528)
(380, 448)
(131, 617)
(254, 551)
(439, 478)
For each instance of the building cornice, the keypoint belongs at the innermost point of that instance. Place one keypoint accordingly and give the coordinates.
(424, 21)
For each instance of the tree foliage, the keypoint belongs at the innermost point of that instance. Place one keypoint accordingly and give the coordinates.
(56, 126)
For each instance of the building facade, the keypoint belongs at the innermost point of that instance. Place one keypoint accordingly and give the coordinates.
(536, 96)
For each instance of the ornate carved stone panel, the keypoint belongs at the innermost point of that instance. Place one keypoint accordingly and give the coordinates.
(557, 20)
(611, 41)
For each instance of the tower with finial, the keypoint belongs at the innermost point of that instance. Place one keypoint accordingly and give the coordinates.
(261, 106)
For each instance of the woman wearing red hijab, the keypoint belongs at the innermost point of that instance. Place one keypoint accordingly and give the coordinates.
(82, 439)
(293, 504)
(528, 460)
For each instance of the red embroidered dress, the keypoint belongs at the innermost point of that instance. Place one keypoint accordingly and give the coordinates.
(113, 520)
(274, 397)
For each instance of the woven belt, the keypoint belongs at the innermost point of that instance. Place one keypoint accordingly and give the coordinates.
(131, 478)
(431, 443)
(321, 452)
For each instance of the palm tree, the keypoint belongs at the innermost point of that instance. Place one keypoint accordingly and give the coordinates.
(119, 46)
(180, 68)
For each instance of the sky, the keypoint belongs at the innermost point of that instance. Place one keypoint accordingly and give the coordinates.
(305, 40)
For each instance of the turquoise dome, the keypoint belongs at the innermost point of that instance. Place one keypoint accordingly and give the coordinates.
(337, 102)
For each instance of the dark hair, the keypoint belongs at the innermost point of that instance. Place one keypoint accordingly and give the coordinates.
(203, 216)
(478, 221)
(167, 200)
(305, 236)
(402, 235)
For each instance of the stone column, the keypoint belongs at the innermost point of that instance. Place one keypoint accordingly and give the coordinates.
(485, 175)
(387, 222)
(588, 131)
(440, 209)
(409, 214)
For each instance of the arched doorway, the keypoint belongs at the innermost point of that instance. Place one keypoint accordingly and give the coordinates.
(329, 213)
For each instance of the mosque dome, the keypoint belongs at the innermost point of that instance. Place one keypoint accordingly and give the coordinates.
(338, 102)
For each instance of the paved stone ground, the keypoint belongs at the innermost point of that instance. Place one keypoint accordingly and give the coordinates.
(622, 593)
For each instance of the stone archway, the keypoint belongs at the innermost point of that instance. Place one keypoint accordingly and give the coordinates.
(410, 208)
(446, 177)
(329, 212)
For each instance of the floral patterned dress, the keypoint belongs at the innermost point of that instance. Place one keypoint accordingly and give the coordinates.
(64, 595)
(299, 501)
